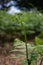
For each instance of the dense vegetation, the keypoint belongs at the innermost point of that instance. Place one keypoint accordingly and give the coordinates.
(31, 22)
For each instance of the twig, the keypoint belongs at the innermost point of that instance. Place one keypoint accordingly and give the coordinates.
(41, 60)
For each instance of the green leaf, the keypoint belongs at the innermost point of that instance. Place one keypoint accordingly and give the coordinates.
(39, 49)
(38, 41)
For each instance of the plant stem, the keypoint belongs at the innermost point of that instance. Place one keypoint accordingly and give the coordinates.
(41, 60)
(23, 28)
(26, 48)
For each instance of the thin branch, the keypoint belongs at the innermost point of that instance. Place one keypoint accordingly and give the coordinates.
(41, 60)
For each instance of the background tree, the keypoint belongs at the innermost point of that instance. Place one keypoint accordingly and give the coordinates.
(31, 3)
(27, 3)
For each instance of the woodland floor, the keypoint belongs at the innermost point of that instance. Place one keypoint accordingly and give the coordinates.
(9, 58)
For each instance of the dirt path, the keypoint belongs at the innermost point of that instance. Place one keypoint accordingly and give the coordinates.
(10, 59)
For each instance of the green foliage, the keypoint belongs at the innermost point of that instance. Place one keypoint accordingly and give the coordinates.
(38, 41)
(34, 51)
(37, 53)
(32, 23)
(41, 35)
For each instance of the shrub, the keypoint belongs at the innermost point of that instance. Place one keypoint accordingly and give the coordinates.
(15, 24)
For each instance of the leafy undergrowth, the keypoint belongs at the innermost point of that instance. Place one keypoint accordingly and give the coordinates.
(31, 22)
